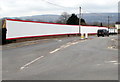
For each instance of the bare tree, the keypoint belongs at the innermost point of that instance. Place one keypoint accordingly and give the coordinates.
(63, 18)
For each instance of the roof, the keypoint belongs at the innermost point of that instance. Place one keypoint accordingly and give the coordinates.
(117, 22)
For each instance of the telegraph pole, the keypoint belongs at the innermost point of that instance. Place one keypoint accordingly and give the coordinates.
(79, 19)
(108, 22)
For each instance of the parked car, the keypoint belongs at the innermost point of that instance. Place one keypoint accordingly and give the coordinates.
(102, 32)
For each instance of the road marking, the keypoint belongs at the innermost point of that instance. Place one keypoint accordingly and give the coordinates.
(116, 63)
(59, 40)
(98, 64)
(26, 65)
(112, 47)
(66, 45)
(54, 50)
(112, 39)
(113, 61)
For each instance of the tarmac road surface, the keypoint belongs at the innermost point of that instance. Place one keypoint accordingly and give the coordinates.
(61, 59)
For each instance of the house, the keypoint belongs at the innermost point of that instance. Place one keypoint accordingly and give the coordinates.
(117, 25)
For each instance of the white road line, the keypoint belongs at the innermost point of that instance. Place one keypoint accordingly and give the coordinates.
(59, 40)
(112, 47)
(30, 62)
(65, 46)
(54, 50)
(98, 64)
(74, 43)
(113, 61)
(116, 63)
(113, 39)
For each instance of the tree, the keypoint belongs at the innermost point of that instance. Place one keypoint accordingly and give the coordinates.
(101, 24)
(74, 20)
(83, 22)
(117, 22)
(63, 18)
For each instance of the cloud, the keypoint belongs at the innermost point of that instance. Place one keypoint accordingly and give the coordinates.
(34, 7)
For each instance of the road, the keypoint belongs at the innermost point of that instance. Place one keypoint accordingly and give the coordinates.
(61, 59)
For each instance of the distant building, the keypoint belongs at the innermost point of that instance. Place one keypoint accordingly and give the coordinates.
(117, 25)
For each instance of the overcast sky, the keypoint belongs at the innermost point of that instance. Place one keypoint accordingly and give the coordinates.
(13, 8)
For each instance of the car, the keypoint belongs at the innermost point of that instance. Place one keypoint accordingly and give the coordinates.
(102, 32)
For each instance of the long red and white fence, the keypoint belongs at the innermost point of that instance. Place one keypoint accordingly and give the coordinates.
(23, 29)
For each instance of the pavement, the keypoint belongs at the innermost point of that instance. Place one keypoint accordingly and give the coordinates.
(67, 58)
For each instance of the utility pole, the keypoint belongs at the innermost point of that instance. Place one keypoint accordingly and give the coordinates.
(108, 22)
(79, 19)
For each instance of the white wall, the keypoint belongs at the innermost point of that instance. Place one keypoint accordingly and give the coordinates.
(22, 29)
(91, 29)
(117, 26)
(25, 29)
(112, 30)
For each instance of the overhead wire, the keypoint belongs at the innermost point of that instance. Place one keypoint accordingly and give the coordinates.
(84, 11)
(53, 4)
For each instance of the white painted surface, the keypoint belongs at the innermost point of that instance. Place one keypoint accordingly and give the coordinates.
(17, 29)
(112, 30)
(31, 62)
(22, 29)
(117, 26)
(86, 35)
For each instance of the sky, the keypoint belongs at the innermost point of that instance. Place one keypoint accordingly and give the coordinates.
(18, 8)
